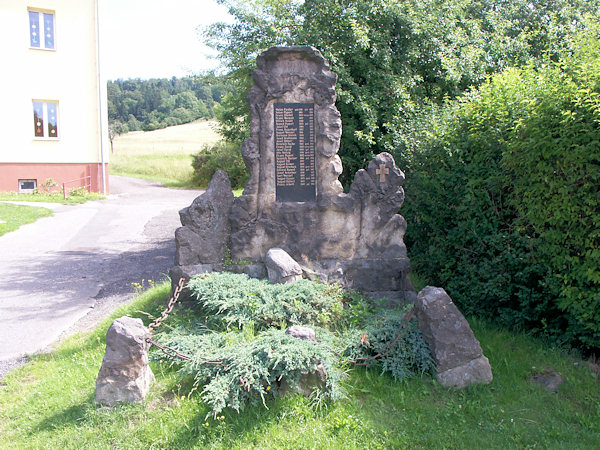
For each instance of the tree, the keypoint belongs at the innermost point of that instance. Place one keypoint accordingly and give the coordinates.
(158, 103)
(392, 57)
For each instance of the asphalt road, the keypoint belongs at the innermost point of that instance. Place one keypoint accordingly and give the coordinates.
(63, 273)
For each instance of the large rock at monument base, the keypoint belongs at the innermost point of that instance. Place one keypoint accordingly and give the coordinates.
(204, 236)
(281, 267)
(125, 375)
(456, 351)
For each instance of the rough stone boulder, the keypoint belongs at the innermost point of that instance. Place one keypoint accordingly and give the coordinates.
(205, 232)
(281, 267)
(456, 351)
(308, 381)
(124, 375)
(300, 332)
(549, 379)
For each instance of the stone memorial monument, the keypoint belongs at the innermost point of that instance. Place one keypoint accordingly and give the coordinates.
(293, 200)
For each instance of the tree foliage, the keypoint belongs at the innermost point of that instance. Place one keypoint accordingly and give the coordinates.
(391, 56)
(157, 103)
(219, 156)
(503, 196)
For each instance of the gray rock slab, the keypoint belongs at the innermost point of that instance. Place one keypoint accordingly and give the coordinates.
(549, 379)
(456, 351)
(125, 375)
(476, 371)
(204, 236)
(281, 267)
(310, 380)
(300, 332)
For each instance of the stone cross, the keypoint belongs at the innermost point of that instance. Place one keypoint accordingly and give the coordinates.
(382, 172)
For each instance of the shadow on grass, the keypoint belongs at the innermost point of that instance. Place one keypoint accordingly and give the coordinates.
(72, 415)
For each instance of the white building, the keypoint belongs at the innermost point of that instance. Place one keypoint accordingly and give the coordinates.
(53, 117)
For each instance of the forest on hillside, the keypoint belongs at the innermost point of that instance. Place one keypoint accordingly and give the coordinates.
(147, 105)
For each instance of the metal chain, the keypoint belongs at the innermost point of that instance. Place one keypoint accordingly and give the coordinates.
(168, 350)
(170, 305)
(169, 309)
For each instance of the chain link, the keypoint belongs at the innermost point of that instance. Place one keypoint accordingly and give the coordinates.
(170, 305)
(169, 309)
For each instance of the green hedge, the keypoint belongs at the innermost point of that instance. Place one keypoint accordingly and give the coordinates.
(220, 156)
(503, 194)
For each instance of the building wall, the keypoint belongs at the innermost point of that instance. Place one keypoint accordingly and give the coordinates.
(68, 75)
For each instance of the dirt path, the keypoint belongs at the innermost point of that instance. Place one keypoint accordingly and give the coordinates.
(65, 273)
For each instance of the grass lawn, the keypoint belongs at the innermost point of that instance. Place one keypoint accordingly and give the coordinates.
(49, 403)
(13, 216)
(50, 198)
(162, 155)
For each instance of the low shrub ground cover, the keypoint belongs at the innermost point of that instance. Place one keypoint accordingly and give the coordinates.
(240, 352)
(49, 403)
(13, 216)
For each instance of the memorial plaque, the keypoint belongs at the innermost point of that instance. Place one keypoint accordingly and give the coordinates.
(295, 174)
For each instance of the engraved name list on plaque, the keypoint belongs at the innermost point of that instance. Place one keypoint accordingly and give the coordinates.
(295, 178)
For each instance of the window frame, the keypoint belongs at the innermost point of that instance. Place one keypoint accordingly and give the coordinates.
(40, 20)
(27, 191)
(46, 126)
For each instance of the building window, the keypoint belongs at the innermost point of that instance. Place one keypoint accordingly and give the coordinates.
(41, 29)
(45, 119)
(27, 186)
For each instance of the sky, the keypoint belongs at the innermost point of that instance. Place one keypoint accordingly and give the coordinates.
(156, 38)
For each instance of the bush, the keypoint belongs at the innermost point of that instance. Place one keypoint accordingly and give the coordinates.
(220, 156)
(240, 354)
(502, 199)
(236, 301)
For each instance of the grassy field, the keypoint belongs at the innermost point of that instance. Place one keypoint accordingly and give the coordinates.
(13, 216)
(49, 403)
(162, 155)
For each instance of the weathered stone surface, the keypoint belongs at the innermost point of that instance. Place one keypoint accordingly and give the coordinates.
(308, 381)
(300, 332)
(124, 375)
(252, 270)
(204, 235)
(187, 272)
(359, 232)
(476, 371)
(549, 379)
(281, 267)
(456, 351)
